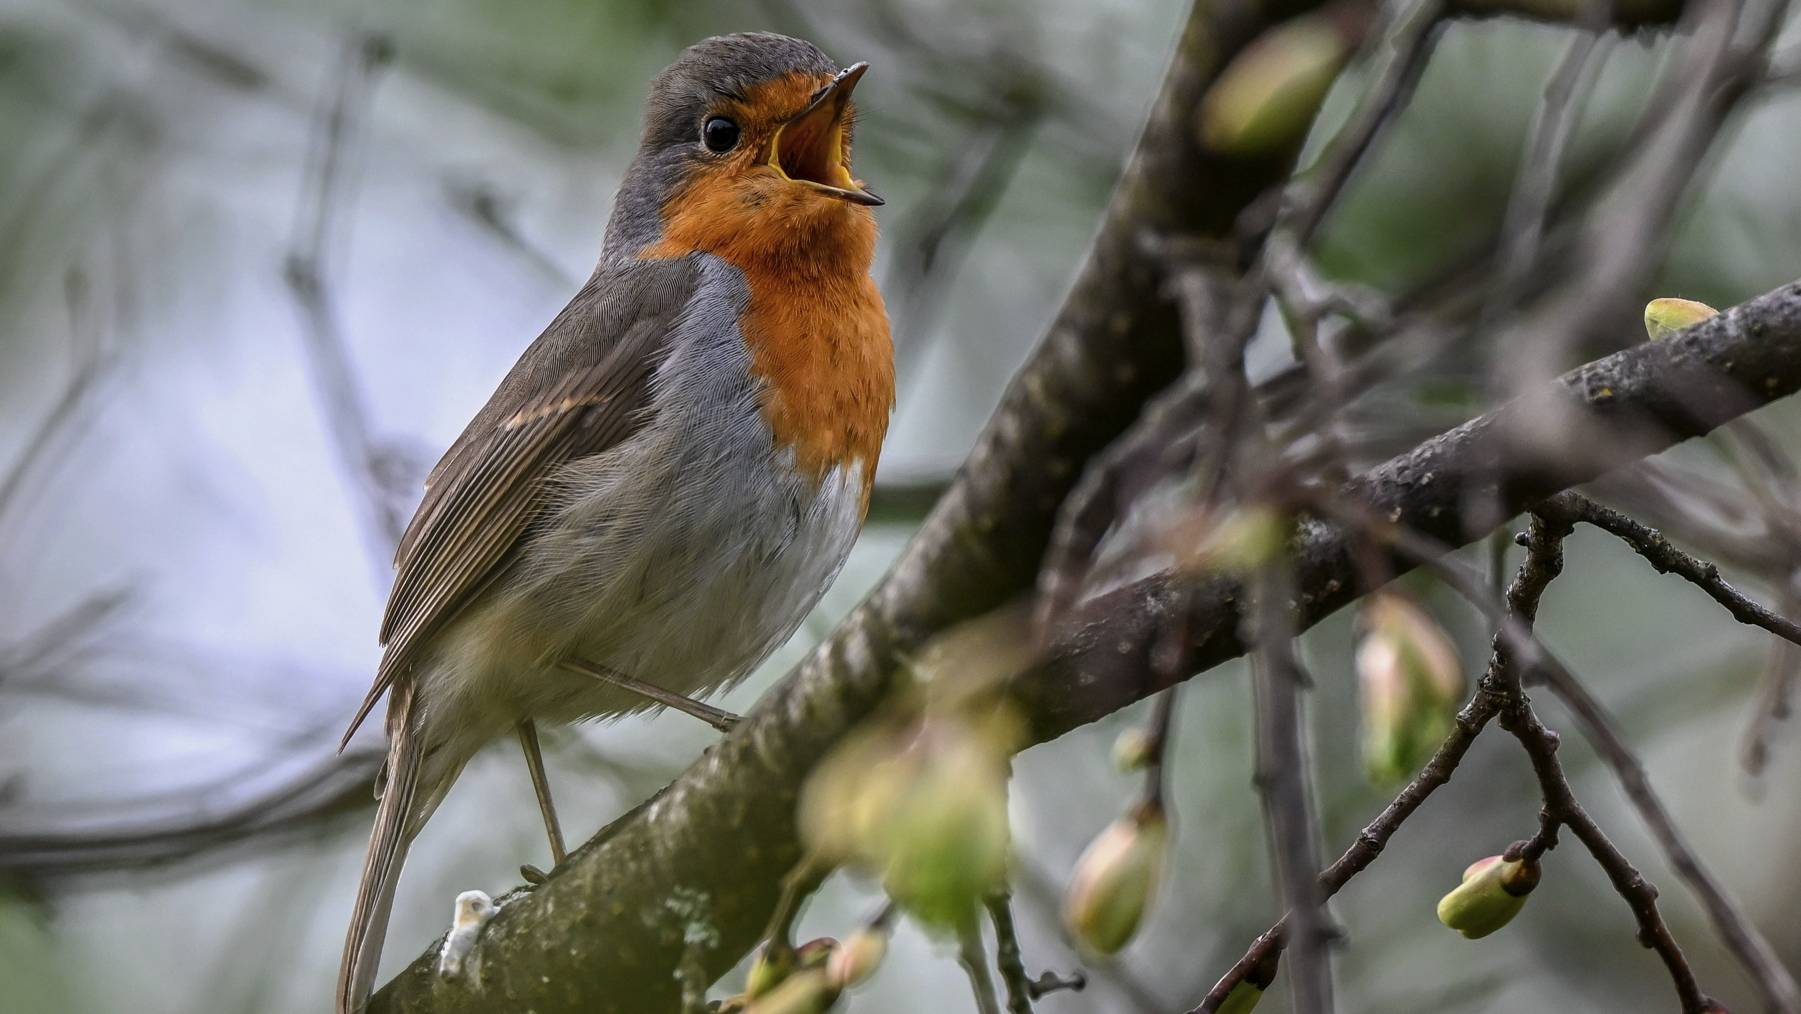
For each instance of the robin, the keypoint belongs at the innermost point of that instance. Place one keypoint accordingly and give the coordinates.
(674, 471)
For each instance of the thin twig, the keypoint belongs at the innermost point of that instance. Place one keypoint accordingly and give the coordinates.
(1544, 540)
(1553, 124)
(1534, 575)
(975, 964)
(1649, 543)
(1282, 779)
(1775, 986)
(796, 886)
(1008, 959)
(1736, 931)
(1308, 200)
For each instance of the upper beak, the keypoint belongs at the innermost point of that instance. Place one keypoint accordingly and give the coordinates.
(811, 147)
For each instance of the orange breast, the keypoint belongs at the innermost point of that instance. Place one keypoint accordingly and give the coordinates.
(814, 321)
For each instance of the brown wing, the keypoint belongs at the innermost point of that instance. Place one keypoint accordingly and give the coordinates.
(578, 390)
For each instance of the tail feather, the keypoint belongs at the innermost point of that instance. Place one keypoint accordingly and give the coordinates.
(388, 842)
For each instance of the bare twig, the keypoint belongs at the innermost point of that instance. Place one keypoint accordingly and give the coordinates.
(1259, 962)
(1775, 986)
(1007, 957)
(1282, 779)
(1310, 198)
(1554, 122)
(1544, 539)
(1528, 654)
(1650, 544)
(975, 964)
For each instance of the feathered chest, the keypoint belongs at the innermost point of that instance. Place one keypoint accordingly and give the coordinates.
(820, 345)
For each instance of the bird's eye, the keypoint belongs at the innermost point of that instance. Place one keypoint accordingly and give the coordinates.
(719, 134)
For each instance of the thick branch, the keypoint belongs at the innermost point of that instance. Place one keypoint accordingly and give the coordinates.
(1601, 416)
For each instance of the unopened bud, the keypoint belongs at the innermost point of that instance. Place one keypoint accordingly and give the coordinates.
(805, 992)
(1410, 677)
(857, 958)
(1492, 893)
(814, 953)
(1115, 880)
(1265, 100)
(1132, 750)
(1664, 317)
(924, 806)
(772, 965)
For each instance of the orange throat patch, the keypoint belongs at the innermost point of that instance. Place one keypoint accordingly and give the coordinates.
(814, 322)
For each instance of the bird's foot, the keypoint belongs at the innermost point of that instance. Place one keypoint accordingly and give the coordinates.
(473, 910)
(718, 719)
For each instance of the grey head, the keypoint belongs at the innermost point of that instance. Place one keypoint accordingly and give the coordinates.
(718, 109)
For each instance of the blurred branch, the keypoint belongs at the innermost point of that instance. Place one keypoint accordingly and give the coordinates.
(374, 470)
(88, 368)
(234, 812)
(1281, 777)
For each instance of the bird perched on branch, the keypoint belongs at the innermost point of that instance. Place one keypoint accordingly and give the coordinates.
(674, 471)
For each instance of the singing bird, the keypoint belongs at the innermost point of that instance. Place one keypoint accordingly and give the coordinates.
(673, 472)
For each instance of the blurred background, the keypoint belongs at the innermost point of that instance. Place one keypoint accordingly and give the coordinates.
(261, 259)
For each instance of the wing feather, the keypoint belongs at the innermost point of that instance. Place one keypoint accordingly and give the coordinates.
(579, 390)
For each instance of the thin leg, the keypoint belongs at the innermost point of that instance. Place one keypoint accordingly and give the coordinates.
(721, 720)
(534, 763)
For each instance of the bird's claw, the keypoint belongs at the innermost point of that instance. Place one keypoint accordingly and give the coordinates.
(473, 910)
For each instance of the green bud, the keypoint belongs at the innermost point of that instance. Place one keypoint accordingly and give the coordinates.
(814, 953)
(1664, 317)
(805, 992)
(1115, 880)
(924, 806)
(1132, 750)
(772, 966)
(857, 958)
(1242, 1000)
(950, 844)
(1492, 893)
(1265, 100)
(1411, 680)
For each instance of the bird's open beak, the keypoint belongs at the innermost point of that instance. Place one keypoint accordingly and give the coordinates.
(811, 149)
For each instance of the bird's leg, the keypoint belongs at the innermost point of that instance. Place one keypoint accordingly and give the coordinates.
(534, 763)
(721, 720)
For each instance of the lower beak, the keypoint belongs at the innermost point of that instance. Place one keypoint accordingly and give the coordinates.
(811, 147)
